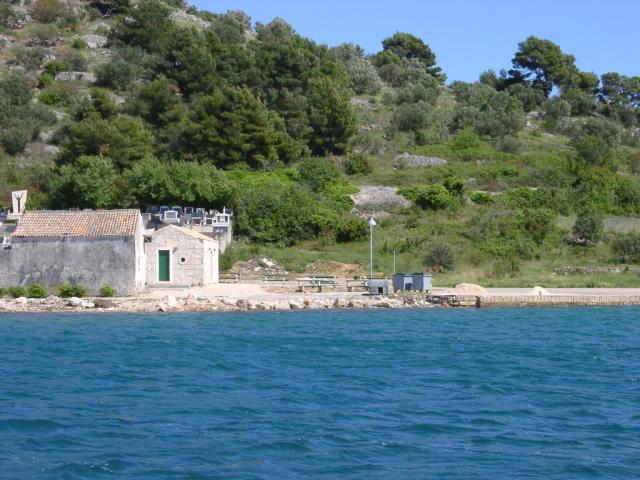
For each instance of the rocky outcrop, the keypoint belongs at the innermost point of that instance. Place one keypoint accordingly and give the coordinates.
(182, 17)
(94, 41)
(408, 160)
(67, 76)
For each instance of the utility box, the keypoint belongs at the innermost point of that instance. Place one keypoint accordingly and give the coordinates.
(379, 286)
(420, 282)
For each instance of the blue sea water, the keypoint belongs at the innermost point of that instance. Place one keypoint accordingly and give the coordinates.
(456, 394)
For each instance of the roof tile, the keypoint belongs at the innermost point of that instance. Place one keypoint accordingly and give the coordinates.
(86, 223)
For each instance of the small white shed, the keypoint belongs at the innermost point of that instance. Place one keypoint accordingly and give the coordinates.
(181, 256)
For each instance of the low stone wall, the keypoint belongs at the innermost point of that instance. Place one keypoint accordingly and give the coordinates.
(481, 301)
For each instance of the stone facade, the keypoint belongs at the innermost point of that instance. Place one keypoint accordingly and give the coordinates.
(91, 261)
(193, 257)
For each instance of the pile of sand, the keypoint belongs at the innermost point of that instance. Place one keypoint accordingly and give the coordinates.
(470, 289)
(538, 291)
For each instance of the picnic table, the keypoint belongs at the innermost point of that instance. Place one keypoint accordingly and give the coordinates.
(316, 282)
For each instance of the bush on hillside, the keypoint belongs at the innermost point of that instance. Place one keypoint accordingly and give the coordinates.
(352, 229)
(73, 290)
(107, 291)
(17, 291)
(358, 164)
(440, 257)
(47, 11)
(36, 291)
(588, 226)
(626, 247)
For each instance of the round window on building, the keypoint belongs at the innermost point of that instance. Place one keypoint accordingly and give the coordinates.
(182, 260)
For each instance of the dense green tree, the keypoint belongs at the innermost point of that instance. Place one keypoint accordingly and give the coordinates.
(330, 116)
(546, 65)
(147, 26)
(232, 126)
(124, 139)
(151, 181)
(406, 45)
(89, 182)
(318, 172)
(486, 110)
(588, 226)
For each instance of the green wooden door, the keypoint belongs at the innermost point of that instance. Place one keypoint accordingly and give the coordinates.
(164, 268)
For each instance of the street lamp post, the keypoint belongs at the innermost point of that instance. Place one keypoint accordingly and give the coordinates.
(372, 224)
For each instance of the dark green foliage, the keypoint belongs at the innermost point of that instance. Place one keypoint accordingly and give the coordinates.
(454, 185)
(330, 117)
(440, 257)
(271, 209)
(117, 74)
(232, 126)
(107, 291)
(358, 164)
(36, 291)
(487, 111)
(62, 94)
(352, 229)
(3, 291)
(124, 139)
(17, 292)
(149, 26)
(89, 182)
(589, 226)
(546, 65)
(626, 247)
(73, 290)
(409, 47)
(431, 197)
(318, 173)
(151, 181)
(20, 119)
(78, 44)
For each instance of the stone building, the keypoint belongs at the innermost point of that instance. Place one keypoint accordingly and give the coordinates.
(90, 248)
(181, 256)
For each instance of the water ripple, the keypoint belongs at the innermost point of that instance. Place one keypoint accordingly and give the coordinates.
(457, 394)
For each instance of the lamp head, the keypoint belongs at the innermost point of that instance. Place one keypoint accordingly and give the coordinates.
(372, 222)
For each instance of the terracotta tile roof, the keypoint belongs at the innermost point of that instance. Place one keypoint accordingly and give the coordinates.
(62, 223)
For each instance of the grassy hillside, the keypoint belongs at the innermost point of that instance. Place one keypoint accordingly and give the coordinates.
(498, 182)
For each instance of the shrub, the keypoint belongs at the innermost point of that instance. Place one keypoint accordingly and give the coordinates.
(352, 229)
(588, 226)
(3, 292)
(78, 44)
(506, 266)
(44, 34)
(74, 60)
(627, 247)
(47, 10)
(117, 74)
(36, 291)
(358, 164)
(107, 291)
(17, 291)
(73, 290)
(481, 198)
(440, 256)
(431, 197)
(9, 17)
(318, 172)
